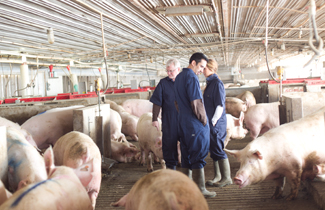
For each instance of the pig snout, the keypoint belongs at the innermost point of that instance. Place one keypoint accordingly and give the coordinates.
(238, 181)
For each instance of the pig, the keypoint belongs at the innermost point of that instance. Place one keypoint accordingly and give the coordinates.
(129, 121)
(75, 149)
(123, 152)
(48, 127)
(234, 106)
(285, 151)
(161, 190)
(248, 98)
(8, 123)
(138, 107)
(235, 128)
(25, 164)
(116, 126)
(3, 153)
(150, 140)
(261, 118)
(63, 190)
(4, 193)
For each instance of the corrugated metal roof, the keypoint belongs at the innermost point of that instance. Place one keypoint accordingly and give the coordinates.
(136, 33)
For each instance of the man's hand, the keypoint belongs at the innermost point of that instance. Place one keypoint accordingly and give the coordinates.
(155, 124)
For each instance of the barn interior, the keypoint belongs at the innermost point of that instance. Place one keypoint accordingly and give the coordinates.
(62, 53)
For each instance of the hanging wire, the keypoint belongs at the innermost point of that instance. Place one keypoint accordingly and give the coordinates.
(313, 34)
(265, 42)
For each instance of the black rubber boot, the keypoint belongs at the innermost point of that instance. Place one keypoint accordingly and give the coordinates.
(199, 179)
(225, 173)
(217, 175)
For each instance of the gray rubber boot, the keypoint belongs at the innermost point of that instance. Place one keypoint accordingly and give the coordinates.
(217, 175)
(225, 173)
(199, 179)
(187, 172)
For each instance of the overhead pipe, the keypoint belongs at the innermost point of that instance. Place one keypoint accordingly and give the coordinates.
(220, 32)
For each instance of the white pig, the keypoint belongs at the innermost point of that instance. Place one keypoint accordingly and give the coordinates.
(48, 127)
(235, 128)
(63, 190)
(164, 189)
(123, 152)
(234, 106)
(286, 151)
(150, 140)
(25, 164)
(116, 126)
(129, 121)
(261, 118)
(75, 149)
(8, 123)
(138, 107)
(248, 98)
(4, 193)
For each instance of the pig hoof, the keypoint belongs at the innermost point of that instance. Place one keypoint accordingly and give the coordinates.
(277, 196)
(290, 197)
(149, 170)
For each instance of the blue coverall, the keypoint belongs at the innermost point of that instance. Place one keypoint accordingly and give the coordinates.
(164, 96)
(214, 95)
(194, 136)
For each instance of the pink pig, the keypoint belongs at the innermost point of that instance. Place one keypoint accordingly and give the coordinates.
(161, 190)
(150, 141)
(75, 149)
(290, 150)
(63, 189)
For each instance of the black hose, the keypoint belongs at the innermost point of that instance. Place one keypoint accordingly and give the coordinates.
(268, 68)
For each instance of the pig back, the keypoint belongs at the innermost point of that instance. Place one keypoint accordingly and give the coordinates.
(147, 132)
(3, 153)
(64, 190)
(234, 106)
(247, 97)
(165, 189)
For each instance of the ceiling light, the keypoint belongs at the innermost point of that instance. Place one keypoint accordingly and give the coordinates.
(202, 35)
(184, 10)
(300, 33)
(50, 35)
(283, 47)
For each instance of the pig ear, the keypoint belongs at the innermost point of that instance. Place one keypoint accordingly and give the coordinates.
(258, 154)
(130, 152)
(85, 156)
(85, 172)
(234, 153)
(49, 160)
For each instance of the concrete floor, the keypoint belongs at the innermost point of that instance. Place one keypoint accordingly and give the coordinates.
(121, 177)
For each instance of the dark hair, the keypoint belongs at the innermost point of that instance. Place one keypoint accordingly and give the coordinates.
(197, 57)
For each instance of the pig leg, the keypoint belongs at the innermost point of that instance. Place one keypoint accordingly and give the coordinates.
(280, 182)
(142, 158)
(163, 163)
(149, 161)
(294, 183)
(93, 196)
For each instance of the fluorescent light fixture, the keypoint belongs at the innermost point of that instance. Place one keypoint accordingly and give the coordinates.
(202, 35)
(185, 10)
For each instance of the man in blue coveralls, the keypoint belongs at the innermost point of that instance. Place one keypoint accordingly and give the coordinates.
(193, 128)
(164, 97)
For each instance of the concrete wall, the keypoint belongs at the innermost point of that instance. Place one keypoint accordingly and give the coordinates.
(311, 102)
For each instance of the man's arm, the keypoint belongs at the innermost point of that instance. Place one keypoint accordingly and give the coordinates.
(155, 113)
(199, 110)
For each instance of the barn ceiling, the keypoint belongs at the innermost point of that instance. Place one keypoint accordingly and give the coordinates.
(138, 32)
